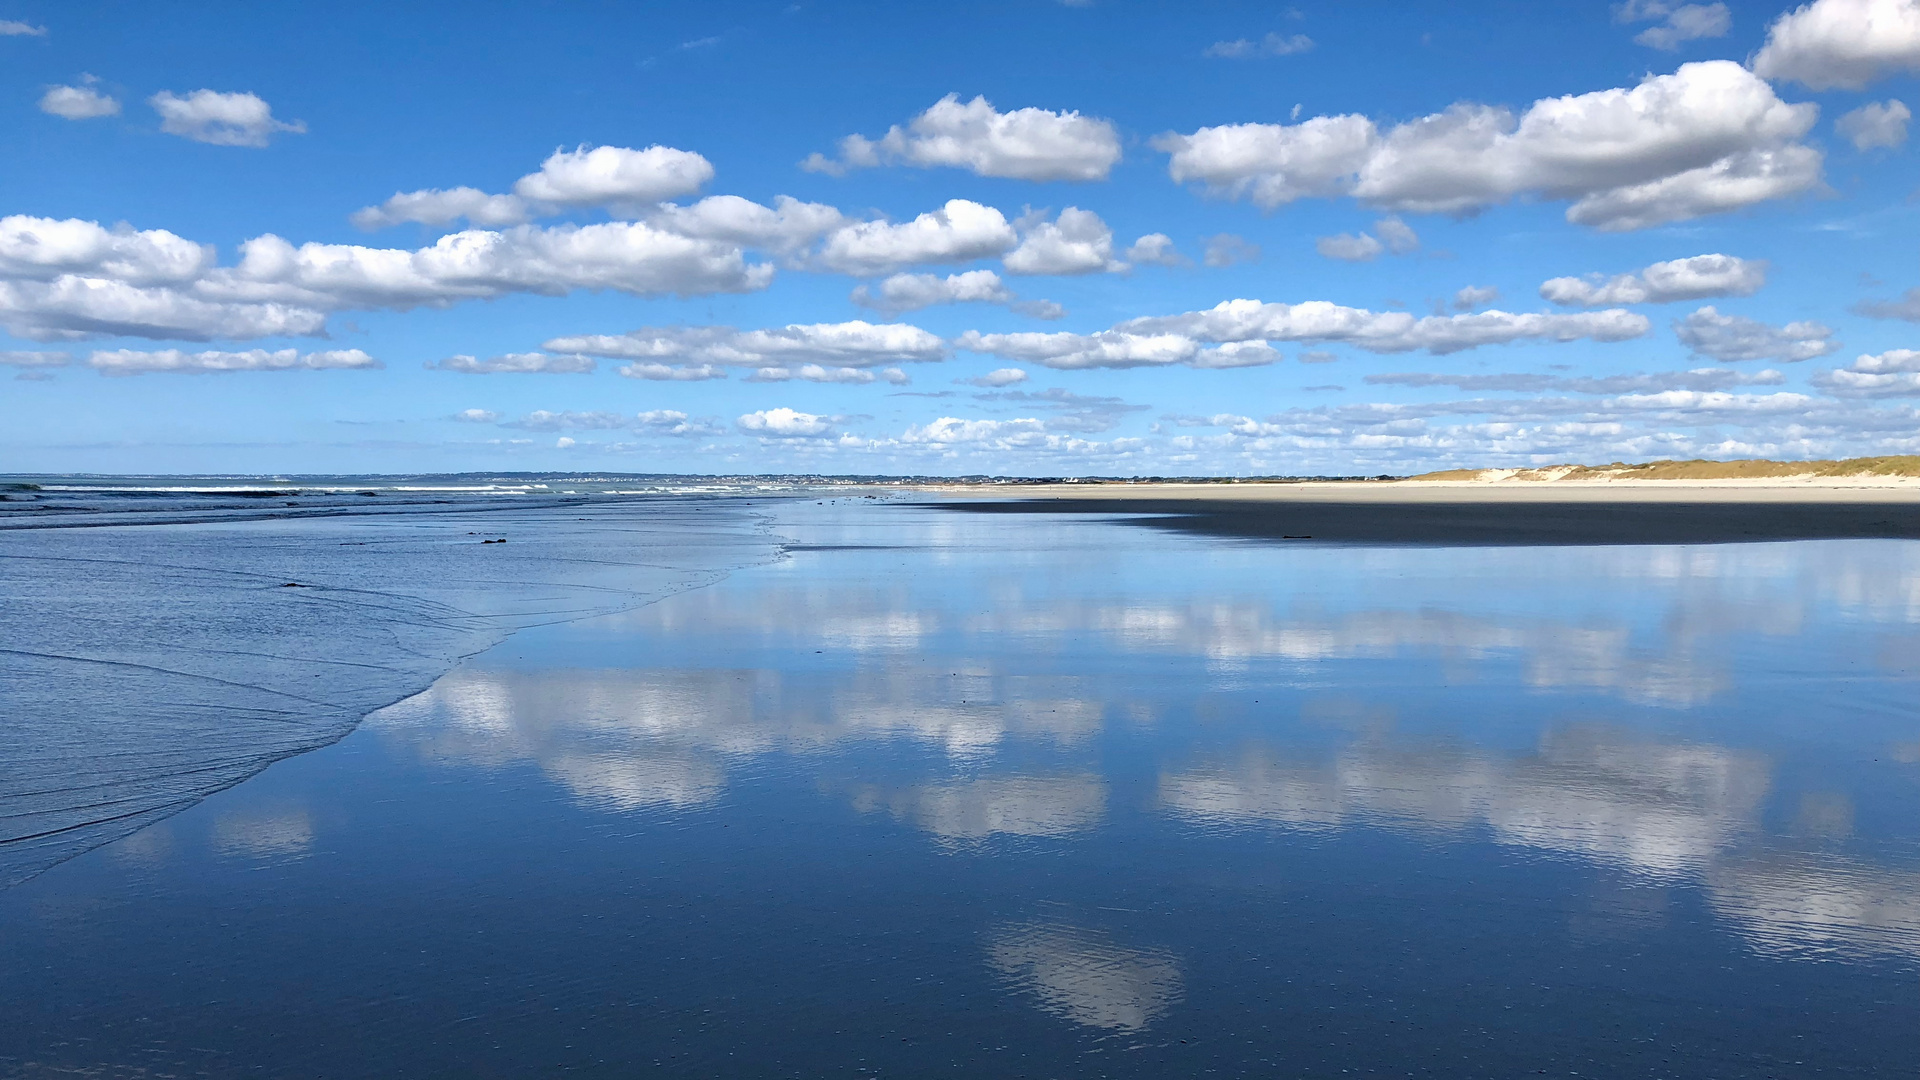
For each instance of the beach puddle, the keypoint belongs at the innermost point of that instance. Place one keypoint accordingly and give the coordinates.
(1058, 796)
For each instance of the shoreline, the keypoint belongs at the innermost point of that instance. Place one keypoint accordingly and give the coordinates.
(1437, 512)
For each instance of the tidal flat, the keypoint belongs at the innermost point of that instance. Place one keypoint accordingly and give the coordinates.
(808, 783)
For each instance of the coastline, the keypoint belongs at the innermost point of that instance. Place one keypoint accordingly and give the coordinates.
(1484, 512)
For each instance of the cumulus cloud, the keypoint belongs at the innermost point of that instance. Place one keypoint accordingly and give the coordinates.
(1319, 321)
(950, 435)
(73, 307)
(1842, 44)
(625, 256)
(1875, 125)
(34, 359)
(854, 344)
(15, 28)
(1270, 45)
(476, 416)
(1708, 138)
(675, 423)
(1730, 338)
(1474, 296)
(785, 423)
(1395, 236)
(527, 363)
(1115, 349)
(131, 362)
(960, 231)
(654, 371)
(1696, 278)
(1895, 373)
(219, 119)
(614, 176)
(1156, 249)
(433, 206)
(911, 292)
(1076, 242)
(78, 103)
(784, 228)
(1225, 249)
(1026, 144)
(1679, 22)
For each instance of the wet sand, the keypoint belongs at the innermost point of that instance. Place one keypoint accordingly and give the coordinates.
(1428, 512)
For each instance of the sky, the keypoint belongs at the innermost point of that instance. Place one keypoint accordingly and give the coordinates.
(1026, 237)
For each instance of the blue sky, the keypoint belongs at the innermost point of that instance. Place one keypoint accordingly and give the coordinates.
(635, 237)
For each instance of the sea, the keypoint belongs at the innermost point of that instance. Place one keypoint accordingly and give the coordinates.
(543, 775)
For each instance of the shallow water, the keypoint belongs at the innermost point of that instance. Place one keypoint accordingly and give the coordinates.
(940, 793)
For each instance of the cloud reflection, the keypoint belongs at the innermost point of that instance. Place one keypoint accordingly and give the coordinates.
(1083, 976)
(1012, 805)
(1657, 809)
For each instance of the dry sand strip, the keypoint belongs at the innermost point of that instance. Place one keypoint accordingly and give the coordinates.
(1478, 512)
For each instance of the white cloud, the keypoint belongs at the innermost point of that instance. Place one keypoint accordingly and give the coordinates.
(65, 279)
(209, 116)
(1387, 332)
(1349, 248)
(1699, 379)
(1026, 144)
(433, 206)
(819, 374)
(676, 423)
(564, 443)
(1875, 124)
(783, 228)
(1115, 349)
(1696, 278)
(855, 344)
(1270, 45)
(543, 420)
(131, 362)
(72, 307)
(785, 423)
(1395, 236)
(1895, 373)
(476, 416)
(46, 249)
(35, 359)
(999, 377)
(527, 363)
(1156, 249)
(78, 103)
(614, 176)
(625, 256)
(13, 28)
(960, 231)
(1076, 242)
(950, 435)
(1682, 22)
(1225, 249)
(1707, 138)
(911, 292)
(1064, 351)
(1730, 338)
(654, 371)
(1842, 44)
(1474, 296)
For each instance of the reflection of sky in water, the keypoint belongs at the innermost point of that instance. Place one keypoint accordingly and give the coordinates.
(1618, 686)
(1072, 785)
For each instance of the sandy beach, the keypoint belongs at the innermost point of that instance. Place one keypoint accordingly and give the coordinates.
(1488, 512)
